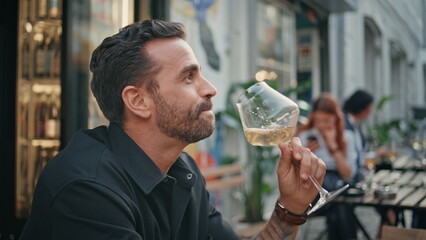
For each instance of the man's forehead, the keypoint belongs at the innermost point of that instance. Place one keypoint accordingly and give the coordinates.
(167, 47)
(173, 52)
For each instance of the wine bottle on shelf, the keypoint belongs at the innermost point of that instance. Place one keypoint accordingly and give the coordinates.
(23, 118)
(48, 56)
(40, 117)
(42, 9)
(57, 99)
(40, 162)
(28, 10)
(57, 53)
(53, 8)
(39, 57)
(25, 65)
(52, 120)
(24, 172)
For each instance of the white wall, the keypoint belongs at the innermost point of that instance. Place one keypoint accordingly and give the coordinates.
(217, 18)
(398, 21)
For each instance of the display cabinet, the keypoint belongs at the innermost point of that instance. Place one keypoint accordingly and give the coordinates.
(38, 94)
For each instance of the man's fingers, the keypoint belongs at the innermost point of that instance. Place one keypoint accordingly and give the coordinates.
(314, 164)
(297, 148)
(285, 158)
(305, 164)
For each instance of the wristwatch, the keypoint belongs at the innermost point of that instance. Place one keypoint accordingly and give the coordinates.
(286, 216)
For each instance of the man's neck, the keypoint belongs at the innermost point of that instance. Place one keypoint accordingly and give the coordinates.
(354, 119)
(162, 150)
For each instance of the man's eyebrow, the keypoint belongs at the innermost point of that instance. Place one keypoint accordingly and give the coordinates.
(189, 68)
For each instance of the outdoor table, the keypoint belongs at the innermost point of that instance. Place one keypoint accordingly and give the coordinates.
(407, 162)
(410, 192)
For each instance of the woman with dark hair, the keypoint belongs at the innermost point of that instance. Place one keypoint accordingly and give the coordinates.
(359, 103)
(356, 109)
(326, 136)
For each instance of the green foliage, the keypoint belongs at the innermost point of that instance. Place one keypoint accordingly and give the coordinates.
(380, 134)
(382, 102)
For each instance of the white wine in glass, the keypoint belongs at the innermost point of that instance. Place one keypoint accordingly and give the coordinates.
(268, 118)
(268, 137)
(371, 162)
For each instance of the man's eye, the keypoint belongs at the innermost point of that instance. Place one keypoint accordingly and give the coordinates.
(189, 77)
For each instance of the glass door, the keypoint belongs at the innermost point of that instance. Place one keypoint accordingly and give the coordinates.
(45, 91)
(88, 23)
(38, 94)
(275, 40)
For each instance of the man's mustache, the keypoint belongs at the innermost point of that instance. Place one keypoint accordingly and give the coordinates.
(204, 106)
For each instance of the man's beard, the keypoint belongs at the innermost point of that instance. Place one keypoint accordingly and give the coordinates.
(183, 124)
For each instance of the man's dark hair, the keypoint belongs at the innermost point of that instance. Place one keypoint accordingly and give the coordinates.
(358, 102)
(121, 60)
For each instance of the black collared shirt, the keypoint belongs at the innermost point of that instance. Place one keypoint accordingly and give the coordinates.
(103, 186)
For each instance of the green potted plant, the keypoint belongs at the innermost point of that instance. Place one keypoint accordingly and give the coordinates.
(381, 133)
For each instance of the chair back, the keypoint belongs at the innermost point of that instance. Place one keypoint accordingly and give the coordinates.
(396, 233)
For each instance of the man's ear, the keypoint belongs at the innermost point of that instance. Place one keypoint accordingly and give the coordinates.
(137, 101)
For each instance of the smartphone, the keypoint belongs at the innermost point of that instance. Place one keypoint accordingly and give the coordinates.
(312, 138)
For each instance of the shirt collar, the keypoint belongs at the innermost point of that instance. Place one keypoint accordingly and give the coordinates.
(352, 120)
(140, 167)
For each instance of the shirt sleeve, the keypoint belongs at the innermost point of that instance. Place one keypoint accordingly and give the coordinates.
(351, 153)
(89, 210)
(219, 228)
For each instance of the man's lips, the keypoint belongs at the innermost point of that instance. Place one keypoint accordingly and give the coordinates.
(205, 106)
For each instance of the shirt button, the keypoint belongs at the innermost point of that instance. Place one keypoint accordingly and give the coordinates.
(165, 179)
(189, 176)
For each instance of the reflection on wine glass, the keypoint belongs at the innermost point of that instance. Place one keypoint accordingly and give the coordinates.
(371, 160)
(268, 118)
(392, 153)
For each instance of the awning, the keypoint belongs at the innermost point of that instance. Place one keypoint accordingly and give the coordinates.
(333, 6)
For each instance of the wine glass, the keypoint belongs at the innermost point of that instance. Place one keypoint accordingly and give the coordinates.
(393, 150)
(371, 160)
(268, 118)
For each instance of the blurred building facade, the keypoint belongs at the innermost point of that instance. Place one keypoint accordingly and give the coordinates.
(332, 46)
(338, 45)
(380, 47)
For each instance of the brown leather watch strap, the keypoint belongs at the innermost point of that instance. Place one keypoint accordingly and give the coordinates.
(289, 217)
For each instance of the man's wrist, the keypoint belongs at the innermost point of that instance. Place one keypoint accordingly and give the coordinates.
(291, 205)
(286, 216)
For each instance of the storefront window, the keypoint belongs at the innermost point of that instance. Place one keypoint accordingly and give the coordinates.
(91, 22)
(275, 37)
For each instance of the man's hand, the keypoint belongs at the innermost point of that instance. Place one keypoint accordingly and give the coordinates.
(296, 189)
(294, 167)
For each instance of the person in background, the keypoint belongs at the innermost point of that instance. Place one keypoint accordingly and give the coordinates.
(356, 109)
(325, 135)
(130, 180)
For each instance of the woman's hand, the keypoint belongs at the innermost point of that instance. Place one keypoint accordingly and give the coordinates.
(313, 145)
(329, 136)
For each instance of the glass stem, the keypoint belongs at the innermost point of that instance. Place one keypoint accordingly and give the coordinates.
(323, 193)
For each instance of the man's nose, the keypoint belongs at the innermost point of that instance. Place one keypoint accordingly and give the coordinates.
(207, 89)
